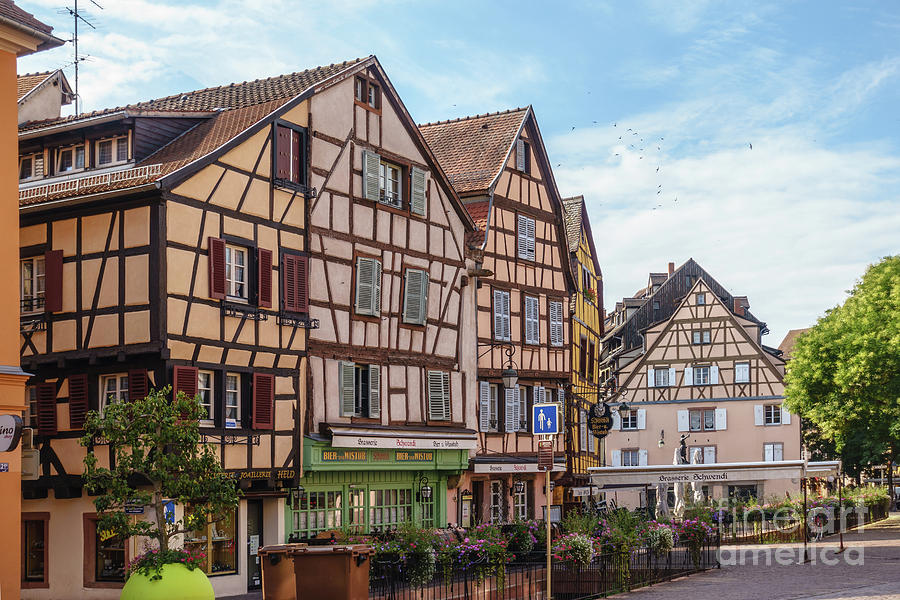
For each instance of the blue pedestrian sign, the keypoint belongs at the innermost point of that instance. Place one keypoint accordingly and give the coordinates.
(544, 419)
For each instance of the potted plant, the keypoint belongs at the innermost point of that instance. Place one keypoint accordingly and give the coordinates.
(159, 461)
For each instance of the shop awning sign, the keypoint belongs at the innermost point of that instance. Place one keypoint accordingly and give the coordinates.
(357, 437)
(505, 467)
(702, 473)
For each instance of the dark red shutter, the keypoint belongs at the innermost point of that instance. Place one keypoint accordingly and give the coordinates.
(78, 400)
(46, 408)
(263, 401)
(53, 280)
(282, 152)
(289, 283)
(303, 284)
(216, 268)
(184, 379)
(138, 384)
(295, 156)
(264, 260)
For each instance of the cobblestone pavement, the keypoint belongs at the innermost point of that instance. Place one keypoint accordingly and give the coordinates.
(868, 570)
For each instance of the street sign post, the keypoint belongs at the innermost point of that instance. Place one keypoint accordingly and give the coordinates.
(544, 419)
(545, 423)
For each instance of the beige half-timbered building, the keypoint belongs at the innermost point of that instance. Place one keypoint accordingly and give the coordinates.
(499, 166)
(689, 362)
(166, 243)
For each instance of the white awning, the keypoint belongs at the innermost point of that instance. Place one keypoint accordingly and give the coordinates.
(510, 467)
(705, 473)
(363, 437)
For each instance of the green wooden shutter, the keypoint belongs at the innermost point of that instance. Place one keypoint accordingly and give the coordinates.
(417, 198)
(368, 286)
(371, 175)
(348, 392)
(375, 391)
(484, 405)
(415, 297)
(438, 396)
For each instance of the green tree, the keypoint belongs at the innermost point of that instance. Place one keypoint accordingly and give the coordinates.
(158, 458)
(844, 376)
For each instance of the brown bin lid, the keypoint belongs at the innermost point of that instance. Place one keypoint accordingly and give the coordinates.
(280, 548)
(354, 549)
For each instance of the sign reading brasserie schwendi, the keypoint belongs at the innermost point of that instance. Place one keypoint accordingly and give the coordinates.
(600, 420)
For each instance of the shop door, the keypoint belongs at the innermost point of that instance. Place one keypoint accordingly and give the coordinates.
(254, 543)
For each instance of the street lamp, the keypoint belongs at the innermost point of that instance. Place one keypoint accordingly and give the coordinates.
(424, 494)
(518, 487)
(623, 408)
(662, 438)
(509, 374)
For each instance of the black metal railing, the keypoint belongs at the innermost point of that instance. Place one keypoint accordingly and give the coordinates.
(396, 578)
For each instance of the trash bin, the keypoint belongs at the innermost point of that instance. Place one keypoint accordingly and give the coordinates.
(332, 572)
(278, 571)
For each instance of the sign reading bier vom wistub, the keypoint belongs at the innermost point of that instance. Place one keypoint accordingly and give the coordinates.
(544, 419)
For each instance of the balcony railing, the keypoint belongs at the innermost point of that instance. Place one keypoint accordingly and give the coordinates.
(76, 184)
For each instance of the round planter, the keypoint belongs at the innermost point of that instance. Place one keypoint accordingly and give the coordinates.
(177, 582)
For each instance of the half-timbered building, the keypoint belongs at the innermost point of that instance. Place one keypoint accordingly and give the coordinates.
(499, 166)
(166, 243)
(689, 362)
(583, 450)
(392, 363)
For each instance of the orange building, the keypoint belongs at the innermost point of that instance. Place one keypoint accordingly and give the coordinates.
(20, 34)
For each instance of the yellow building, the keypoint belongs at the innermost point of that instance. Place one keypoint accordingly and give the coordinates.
(583, 450)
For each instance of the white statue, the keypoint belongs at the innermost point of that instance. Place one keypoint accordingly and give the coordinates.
(662, 502)
(696, 459)
(678, 459)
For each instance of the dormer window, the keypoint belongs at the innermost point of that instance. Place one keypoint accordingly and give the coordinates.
(31, 166)
(367, 94)
(112, 151)
(70, 159)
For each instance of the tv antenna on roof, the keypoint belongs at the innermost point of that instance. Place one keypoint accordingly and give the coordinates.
(79, 16)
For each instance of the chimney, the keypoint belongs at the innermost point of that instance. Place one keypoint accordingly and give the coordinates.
(741, 304)
(671, 269)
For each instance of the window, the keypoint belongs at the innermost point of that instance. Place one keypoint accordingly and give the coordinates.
(557, 337)
(742, 492)
(218, 542)
(488, 397)
(205, 382)
(236, 272)
(367, 93)
(113, 389)
(707, 454)
(629, 419)
(33, 284)
(314, 512)
(742, 373)
(512, 408)
(501, 315)
(31, 166)
(582, 355)
(631, 458)
(290, 154)
(415, 297)
(701, 298)
(70, 159)
(360, 390)
(294, 283)
(390, 184)
(523, 156)
(496, 501)
(31, 406)
(112, 151)
(34, 549)
(360, 89)
(703, 419)
(702, 336)
(390, 508)
(772, 413)
(532, 321)
(438, 396)
(661, 377)
(773, 451)
(232, 400)
(586, 279)
(373, 98)
(520, 501)
(701, 375)
(105, 554)
(592, 350)
(368, 286)
(656, 305)
(525, 236)
(582, 431)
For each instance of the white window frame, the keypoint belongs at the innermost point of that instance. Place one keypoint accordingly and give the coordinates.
(520, 502)
(207, 392)
(701, 375)
(496, 492)
(532, 317)
(771, 414)
(38, 284)
(661, 377)
(232, 400)
(116, 142)
(701, 298)
(232, 283)
(31, 406)
(742, 372)
(631, 457)
(493, 407)
(372, 91)
(74, 149)
(703, 412)
(119, 391)
(629, 420)
(390, 197)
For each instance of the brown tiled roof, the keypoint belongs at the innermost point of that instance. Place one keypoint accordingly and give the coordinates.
(241, 105)
(787, 344)
(479, 212)
(472, 150)
(10, 11)
(27, 82)
(226, 97)
(573, 218)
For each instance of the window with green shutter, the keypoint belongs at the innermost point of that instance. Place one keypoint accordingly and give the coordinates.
(360, 390)
(415, 297)
(368, 286)
(438, 396)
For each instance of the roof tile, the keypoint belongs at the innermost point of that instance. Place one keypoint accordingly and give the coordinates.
(27, 82)
(9, 10)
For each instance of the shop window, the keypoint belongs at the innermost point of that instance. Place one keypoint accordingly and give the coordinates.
(113, 389)
(496, 501)
(218, 541)
(390, 507)
(33, 281)
(314, 512)
(105, 555)
(35, 532)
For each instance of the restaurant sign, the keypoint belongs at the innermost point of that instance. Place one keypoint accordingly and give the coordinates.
(600, 420)
(410, 443)
(261, 474)
(10, 432)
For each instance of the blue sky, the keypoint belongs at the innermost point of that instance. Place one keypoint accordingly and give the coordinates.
(813, 86)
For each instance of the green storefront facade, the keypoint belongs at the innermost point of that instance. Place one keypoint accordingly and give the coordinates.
(367, 489)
